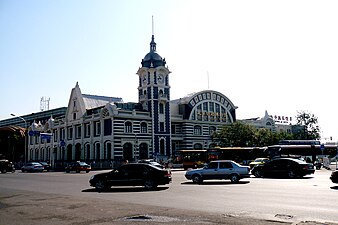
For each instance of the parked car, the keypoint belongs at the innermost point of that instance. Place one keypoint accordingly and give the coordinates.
(46, 166)
(334, 176)
(152, 162)
(32, 167)
(258, 161)
(132, 174)
(6, 166)
(219, 169)
(78, 167)
(283, 167)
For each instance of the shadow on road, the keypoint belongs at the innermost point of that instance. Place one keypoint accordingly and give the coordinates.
(334, 188)
(282, 178)
(128, 189)
(215, 183)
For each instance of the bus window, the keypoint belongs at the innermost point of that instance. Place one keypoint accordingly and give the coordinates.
(193, 158)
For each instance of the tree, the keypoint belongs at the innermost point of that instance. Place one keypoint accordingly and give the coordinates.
(240, 134)
(309, 123)
(236, 134)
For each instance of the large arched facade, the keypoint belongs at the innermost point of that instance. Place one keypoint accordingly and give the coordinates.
(202, 113)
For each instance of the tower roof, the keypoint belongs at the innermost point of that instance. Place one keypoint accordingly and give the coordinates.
(152, 59)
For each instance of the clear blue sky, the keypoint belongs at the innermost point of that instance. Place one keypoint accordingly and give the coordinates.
(279, 56)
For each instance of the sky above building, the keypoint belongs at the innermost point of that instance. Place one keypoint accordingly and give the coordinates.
(279, 56)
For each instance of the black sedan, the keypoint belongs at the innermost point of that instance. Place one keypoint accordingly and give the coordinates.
(6, 166)
(334, 177)
(283, 167)
(133, 174)
(46, 166)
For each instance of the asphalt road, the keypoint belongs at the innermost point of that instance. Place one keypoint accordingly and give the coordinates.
(60, 198)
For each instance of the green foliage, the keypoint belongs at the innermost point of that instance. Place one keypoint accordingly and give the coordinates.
(239, 134)
(309, 121)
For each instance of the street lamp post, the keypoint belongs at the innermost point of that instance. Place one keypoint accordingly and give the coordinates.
(25, 134)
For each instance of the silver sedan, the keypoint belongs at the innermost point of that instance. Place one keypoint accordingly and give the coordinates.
(219, 169)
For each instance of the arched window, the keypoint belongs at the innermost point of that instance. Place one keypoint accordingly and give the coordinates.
(144, 127)
(160, 93)
(128, 127)
(212, 130)
(197, 146)
(197, 130)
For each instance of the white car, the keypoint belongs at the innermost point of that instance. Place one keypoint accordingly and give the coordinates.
(219, 169)
(32, 167)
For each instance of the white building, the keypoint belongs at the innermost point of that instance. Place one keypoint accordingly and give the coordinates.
(105, 129)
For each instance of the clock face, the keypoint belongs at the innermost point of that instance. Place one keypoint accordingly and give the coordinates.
(160, 78)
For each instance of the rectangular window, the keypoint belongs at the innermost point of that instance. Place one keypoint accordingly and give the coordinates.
(161, 108)
(211, 107)
(70, 133)
(87, 130)
(107, 127)
(97, 127)
(55, 135)
(161, 126)
(144, 128)
(62, 134)
(78, 131)
(205, 107)
(173, 129)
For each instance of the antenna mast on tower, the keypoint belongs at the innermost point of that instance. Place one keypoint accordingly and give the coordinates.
(152, 25)
(208, 79)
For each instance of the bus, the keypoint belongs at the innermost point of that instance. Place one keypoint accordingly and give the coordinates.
(302, 151)
(241, 155)
(193, 158)
(299, 142)
(198, 158)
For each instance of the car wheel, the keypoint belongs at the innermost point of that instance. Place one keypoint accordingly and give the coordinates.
(22, 170)
(197, 179)
(67, 171)
(150, 184)
(4, 171)
(77, 171)
(101, 185)
(291, 174)
(257, 173)
(234, 178)
(87, 171)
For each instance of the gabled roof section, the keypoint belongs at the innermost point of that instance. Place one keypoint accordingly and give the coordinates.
(95, 101)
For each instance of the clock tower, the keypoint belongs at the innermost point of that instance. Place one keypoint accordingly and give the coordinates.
(154, 95)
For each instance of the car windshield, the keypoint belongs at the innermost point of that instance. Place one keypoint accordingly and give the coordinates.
(82, 163)
(260, 160)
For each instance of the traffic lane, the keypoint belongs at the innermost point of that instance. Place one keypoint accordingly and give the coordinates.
(309, 198)
(285, 199)
(257, 197)
(24, 207)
